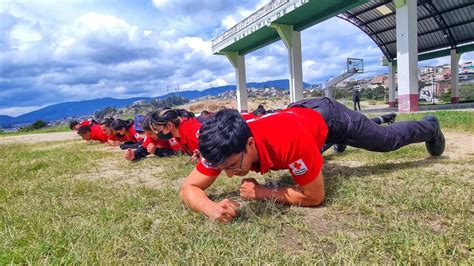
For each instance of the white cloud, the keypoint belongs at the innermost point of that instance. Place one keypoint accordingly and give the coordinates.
(159, 3)
(23, 33)
(16, 111)
(84, 49)
(228, 22)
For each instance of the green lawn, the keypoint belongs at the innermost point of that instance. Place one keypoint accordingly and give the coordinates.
(82, 203)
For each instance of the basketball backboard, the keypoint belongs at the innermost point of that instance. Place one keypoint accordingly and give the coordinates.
(355, 65)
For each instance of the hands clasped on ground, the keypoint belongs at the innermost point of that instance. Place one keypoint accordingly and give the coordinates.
(227, 209)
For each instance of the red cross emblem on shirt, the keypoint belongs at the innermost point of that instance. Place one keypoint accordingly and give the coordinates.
(298, 167)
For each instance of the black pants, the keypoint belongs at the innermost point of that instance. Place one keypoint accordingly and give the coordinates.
(141, 152)
(354, 129)
(356, 103)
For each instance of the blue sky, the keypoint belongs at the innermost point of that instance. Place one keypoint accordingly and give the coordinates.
(71, 50)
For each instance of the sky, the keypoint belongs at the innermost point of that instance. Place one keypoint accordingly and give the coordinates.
(53, 51)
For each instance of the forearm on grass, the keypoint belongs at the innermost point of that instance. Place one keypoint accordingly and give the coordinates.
(289, 195)
(140, 152)
(196, 199)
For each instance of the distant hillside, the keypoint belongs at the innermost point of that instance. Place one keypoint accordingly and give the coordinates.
(214, 91)
(6, 119)
(89, 107)
(68, 109)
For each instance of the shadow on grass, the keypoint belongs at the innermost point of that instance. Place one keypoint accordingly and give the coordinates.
(335, 169)
(335, 174)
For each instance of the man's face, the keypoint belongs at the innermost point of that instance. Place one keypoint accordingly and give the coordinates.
(237, 164)
(76, 127)
(86, 136)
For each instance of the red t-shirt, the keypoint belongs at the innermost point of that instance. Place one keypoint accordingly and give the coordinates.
(160, 143)
(85, 123)
(248, 116)
(132, 136)
(288, 139)
(174, 144)
(189, 135)
(97, 133)
(112, 137)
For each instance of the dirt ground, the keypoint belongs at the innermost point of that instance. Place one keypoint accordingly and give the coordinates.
(43, 137)
(215, 105)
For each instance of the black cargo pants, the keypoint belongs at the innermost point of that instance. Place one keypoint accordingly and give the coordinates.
(354, 129)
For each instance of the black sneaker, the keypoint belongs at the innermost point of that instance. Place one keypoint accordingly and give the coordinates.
(436, 145)
(389, 118)
(339, 148)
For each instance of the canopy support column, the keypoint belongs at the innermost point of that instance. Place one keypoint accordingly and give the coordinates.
(392, 69)
(292, 41)
(238, 62)
(407, 55)
(454, 77)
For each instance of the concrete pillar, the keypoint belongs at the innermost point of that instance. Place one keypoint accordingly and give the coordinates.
(292, 41)
(328, 91)
(238, 61)
(407, 55)
(392, 69)
(454, 77)
(296, 68)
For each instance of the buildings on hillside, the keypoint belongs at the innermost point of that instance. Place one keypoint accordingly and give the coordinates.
(439, 76)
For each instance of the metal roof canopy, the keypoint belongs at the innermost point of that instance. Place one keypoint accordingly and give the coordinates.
(442, 25)
(255, 32)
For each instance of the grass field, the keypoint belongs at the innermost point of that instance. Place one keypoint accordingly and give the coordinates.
(82, 203)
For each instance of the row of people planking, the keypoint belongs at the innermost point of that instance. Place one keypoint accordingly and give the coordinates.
(145, 138)
(292, 139)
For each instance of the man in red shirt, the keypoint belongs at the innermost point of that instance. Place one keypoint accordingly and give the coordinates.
(75, 125)
(105, 126)
(92, 132)
(290, 139)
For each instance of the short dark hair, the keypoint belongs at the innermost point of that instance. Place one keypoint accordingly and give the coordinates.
(260, 110)
(83, 130)
(72, 124)
(119, 124)
(224, 134)
(107, 121)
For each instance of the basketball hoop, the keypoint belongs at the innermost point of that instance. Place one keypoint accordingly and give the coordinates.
(355, 65)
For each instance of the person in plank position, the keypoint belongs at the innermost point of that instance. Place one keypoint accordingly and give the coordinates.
(290, 139)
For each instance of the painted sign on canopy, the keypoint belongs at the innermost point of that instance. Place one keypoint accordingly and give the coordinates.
(259, 19)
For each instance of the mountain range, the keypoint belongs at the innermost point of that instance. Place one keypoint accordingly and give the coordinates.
(89, 107)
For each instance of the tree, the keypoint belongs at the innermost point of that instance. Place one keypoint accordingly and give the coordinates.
(107, 111)
(38, 124)
(168, 102)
